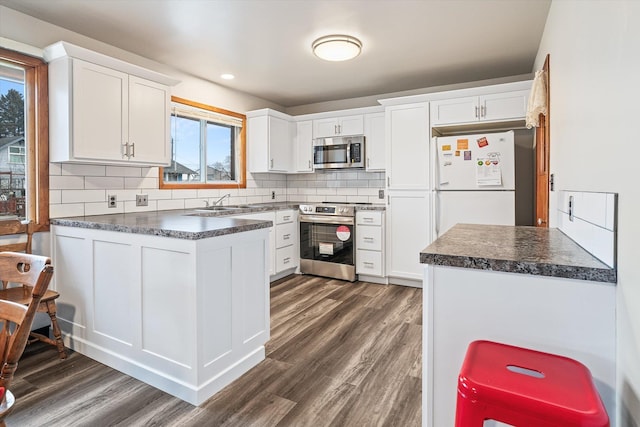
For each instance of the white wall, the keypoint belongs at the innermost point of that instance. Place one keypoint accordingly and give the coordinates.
(594, 49)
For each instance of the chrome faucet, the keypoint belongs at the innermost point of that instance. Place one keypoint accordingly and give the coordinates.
(221, 199)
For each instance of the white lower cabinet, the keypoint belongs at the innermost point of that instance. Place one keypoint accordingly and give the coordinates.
(185, 316)
(283, 239)
(408, 233)
(370, 243)
(287, 242)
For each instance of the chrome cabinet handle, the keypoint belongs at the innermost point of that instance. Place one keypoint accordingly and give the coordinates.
(133, 149)
(368, 239)
(368, 264)
(124, 150)
(286, 218)
(483, 111)
(309, 164)
(367, 219)
(476, 111)
(286, 237)
(368, 162)
(286, 260)
(271, 163)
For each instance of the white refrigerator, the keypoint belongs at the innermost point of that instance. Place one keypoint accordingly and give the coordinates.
(474, 180)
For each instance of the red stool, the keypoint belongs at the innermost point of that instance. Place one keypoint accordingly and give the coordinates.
(525, 388)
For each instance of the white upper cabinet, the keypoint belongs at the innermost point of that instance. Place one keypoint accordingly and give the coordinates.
(338, 126)
(103, 113)
(304, 146)
(491, 107)
(407, 130)
(269, 139)
(374, 144)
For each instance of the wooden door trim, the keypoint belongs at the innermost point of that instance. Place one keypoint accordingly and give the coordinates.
(543, 140)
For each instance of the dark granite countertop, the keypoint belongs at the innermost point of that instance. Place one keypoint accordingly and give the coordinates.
(524, 250)
(189, 224)
(177, 224)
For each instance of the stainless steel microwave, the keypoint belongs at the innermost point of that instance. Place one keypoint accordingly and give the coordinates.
(339, 152)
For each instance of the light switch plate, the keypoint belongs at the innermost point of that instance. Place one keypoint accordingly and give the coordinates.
(142, 200)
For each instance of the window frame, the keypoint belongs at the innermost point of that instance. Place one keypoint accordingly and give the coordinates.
(36, 134)
(241, 181)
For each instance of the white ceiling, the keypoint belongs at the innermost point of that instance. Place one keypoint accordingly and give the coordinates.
(407, 44)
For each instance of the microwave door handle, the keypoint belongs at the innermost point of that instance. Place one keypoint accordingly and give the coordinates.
(348, 154)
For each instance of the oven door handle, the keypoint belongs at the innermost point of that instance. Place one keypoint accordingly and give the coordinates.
(320, 219)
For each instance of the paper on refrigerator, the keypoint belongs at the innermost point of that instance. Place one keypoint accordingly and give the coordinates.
(488, 170)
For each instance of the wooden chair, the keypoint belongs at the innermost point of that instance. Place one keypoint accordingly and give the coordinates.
(34, 271)
(22, 294)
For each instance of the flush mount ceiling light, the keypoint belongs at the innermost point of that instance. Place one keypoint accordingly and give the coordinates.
(228, 76)
(336, 47)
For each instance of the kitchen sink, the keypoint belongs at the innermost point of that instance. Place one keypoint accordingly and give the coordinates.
(219, 208)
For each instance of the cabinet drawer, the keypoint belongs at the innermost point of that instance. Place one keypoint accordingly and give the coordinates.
(369, 262)
(284, 217)
(369, 218)
(369, 237)
(285, 258)
(285, 234)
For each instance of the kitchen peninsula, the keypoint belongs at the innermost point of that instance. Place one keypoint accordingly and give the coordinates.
(177, 299)
(524, 286)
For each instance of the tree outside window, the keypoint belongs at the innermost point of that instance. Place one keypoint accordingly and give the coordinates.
(24, 146)
(207, 147)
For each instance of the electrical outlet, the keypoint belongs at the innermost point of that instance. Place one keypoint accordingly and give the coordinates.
(273, 195)
(111, 200)
(380, 194)
(142, 200)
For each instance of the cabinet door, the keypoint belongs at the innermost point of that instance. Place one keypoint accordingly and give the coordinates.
(369, 263)
(408, 222)
(407, 130)
(279, 144)
(99, 118)
(149, 110)
(374, 146)
(351, 125)
(304, 146)
(456, 110)
(325, 127)
(504, 106)
(338, 126)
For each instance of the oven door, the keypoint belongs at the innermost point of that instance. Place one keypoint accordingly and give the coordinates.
(327, 238)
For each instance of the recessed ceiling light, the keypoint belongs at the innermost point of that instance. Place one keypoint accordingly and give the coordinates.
(228, 76)
(336, 47)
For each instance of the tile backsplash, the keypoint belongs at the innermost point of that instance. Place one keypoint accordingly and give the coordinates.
(83, 189)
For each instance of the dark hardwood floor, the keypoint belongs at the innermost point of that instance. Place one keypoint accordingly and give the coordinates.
(340, 354)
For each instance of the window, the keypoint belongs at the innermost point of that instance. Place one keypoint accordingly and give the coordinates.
(16, 154)
(207, 147)
(24, 143)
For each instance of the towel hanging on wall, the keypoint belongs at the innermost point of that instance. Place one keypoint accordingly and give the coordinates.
(537, 100)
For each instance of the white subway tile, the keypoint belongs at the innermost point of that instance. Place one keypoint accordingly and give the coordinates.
(55, 169)
(55, 197)
(66, 182)
(130, 182)
(150, 172)
(102, 208)
(130, 206)
(105, 182)
(367, 191)
(83, 170)
(123, 195)
(195, 203)
(65, 210)
(79, 196)
(123, 171)
(157, 194)
(165, 205)
(184, 194)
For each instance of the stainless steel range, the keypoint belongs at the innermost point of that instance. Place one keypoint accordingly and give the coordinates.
(327, 236)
